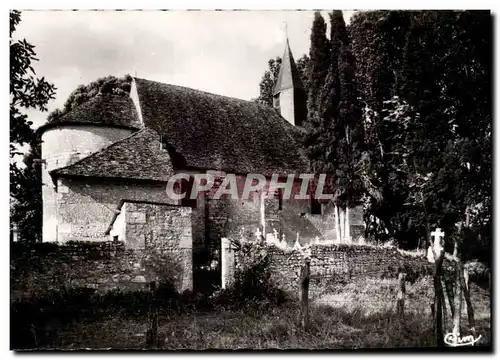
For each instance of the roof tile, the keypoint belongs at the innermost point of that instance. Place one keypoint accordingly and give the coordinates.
(138, 156)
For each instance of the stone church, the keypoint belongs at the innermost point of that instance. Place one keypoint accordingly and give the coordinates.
(106, 164)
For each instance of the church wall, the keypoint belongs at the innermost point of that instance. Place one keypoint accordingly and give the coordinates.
(63, 146)
(165, 230)
(86, 208)
(240, 219)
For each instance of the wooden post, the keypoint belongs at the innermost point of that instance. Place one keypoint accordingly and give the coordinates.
(446, 302)
(438, 305)
(470, 309)
(437, 250)
(448, 288)
(457, 302)
(401, 294)
(304, 294)
(152, 332)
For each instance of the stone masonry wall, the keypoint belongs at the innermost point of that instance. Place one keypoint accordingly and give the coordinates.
(103, 266)
(65, 145)
(86, 208)
(164, 229)
(341, 263)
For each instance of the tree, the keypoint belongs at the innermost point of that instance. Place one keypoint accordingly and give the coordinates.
(270, 77)
(430, 146)
(26, 92)
(26, 195)
(316, 138)
(109, 85)
(341, 125)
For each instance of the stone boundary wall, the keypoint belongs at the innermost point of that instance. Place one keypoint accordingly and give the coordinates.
(343, 264)
(103, 266)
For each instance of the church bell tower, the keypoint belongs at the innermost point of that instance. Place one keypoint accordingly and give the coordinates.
(289, 95)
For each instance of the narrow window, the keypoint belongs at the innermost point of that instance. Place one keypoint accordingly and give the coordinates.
(280, 199)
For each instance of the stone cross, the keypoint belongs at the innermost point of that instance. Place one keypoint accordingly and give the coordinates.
(297, 243)
(258, 233)
(437, 247)
(275, 232)
(285, 30)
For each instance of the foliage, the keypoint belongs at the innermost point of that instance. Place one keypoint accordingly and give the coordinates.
(26, 92)
(110, 85)
(253, 283)
(340, 115)
(26, 197)
(316, 129)
(164, 266)
(428, 135)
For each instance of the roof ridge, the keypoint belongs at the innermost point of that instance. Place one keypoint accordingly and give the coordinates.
(102, 150)
(200, 91)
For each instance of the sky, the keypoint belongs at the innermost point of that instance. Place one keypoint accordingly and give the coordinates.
(223, 52)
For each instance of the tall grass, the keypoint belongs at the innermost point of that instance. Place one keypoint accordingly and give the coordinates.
(350, 316)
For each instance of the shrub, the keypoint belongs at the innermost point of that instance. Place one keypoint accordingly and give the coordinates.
(253, 285)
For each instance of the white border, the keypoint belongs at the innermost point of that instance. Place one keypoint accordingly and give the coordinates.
(189, 4)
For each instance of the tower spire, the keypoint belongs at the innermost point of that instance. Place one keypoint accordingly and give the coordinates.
(288, 76)
(288, 92)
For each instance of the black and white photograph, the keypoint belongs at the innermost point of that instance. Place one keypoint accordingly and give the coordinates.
(218, 180)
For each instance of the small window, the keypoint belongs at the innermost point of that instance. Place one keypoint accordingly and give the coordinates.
(115, 238)
(316, 207)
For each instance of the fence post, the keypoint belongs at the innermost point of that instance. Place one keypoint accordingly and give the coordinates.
(401, 293)
(304, 298)
(437, 251)
(457, 306)
(152, 332)
(470, 309)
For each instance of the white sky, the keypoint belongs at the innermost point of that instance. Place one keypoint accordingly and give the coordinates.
(223, 52)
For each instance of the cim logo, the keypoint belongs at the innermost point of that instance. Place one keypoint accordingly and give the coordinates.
(456, 340)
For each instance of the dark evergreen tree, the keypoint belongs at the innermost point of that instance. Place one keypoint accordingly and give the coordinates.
(341, 114)
(316, 139)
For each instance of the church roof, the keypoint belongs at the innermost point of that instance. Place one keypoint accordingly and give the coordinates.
(111, 110)
(201, 131)
(138, 156)
(208, 131)
(288, 76)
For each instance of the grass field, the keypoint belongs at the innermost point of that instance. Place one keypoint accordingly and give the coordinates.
(356, 315)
